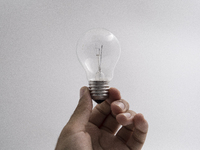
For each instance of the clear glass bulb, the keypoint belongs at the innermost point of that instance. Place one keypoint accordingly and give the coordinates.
(98, 51)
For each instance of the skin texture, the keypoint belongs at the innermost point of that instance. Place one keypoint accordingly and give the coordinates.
(109, 126)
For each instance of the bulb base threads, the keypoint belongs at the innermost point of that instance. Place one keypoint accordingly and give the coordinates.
(99, 90)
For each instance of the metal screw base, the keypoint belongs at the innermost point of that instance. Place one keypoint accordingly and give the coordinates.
(99, 90)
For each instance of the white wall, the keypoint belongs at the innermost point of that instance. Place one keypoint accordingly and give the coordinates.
(158, 72)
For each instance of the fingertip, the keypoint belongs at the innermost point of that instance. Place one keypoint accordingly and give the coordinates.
(141, 123)
(115, 91)
(83, 91)
(114, 94)
(117, 107)
(85, 98)
(124, 118)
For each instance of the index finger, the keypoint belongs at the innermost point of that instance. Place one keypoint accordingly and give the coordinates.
(101, 111)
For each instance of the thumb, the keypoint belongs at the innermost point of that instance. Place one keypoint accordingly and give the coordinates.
(81, 115)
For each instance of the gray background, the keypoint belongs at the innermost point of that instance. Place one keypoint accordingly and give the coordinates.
(158, 72)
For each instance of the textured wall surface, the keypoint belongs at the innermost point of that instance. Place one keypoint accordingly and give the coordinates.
(158, 72)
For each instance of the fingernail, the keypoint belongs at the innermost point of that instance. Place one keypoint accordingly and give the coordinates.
(82, 91)
(121, 105)
(127, 115)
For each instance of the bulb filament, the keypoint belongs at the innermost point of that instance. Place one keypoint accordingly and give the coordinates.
(99, 55)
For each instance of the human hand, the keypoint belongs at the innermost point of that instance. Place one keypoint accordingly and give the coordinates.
(98, 128)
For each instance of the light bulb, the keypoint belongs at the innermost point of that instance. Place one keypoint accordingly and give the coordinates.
(98, 52)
